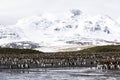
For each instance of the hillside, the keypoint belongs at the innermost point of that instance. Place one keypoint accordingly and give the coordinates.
(97, 49)
(106, 48)
(18, 51)
(60, 30)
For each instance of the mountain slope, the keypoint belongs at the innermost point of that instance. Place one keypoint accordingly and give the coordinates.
(72, 28)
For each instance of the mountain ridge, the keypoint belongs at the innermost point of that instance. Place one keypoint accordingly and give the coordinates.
(52, 30)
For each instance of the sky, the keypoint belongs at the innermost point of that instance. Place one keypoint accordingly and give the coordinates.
(13, 10)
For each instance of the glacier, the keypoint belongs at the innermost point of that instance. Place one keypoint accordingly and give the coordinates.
(57, 32)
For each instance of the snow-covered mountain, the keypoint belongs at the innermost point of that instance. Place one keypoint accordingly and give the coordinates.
(71, 28)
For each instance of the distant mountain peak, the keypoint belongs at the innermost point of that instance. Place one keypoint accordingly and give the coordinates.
(53, 30)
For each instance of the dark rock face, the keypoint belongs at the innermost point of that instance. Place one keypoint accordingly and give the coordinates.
(8, 33)
(79, 42)
(76, 12)
(21, 45)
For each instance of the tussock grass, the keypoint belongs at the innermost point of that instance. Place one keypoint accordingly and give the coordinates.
(99, 49)
(18, 51)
